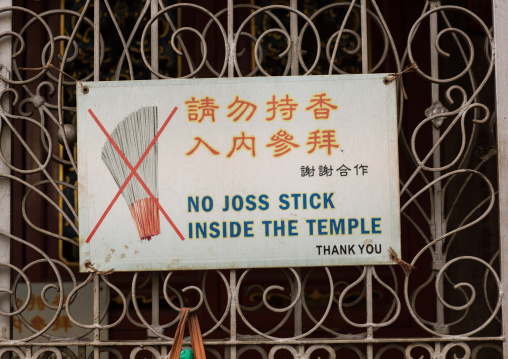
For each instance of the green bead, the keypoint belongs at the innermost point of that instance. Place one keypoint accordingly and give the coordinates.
(186, 354)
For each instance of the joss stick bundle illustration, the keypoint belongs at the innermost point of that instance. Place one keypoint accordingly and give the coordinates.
(133, 136)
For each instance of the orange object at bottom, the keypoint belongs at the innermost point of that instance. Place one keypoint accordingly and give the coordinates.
(146, 217)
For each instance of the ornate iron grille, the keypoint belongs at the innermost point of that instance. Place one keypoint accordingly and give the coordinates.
(451, 305)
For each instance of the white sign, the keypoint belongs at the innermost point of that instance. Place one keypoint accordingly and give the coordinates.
(235, 173)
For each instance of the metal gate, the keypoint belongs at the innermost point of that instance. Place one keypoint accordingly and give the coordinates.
(452, 177)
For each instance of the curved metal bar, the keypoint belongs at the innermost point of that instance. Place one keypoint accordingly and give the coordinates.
(164, 11)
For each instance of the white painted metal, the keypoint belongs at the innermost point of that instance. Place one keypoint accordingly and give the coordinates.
(5, 186)
(500, 13)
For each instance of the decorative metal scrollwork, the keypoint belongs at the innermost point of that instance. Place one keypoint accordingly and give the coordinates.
(447, 181)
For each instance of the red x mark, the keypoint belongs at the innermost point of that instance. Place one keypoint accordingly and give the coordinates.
(133, 174)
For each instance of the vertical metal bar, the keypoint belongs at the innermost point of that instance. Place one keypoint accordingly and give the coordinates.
(293, 29)
(154, 62)
(96, 39)
(437, 222)
(232, 48)
(293, 32)
(96, 316)
(232, 273)
(365, 70)
(232, 314)
(155, 304)
(96, 77)
(370, 311)
(500, 19)
(154, 38)
(365, 35)
(5, 187)
(298, 310)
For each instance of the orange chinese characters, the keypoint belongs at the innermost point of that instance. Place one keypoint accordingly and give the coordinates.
(321, 106)
(38, 322)
(62, 322)
(243, 106)
(281, 143)
(243, 141)
(36, 300)
(206, 105)
(16, 324)
(322, 139)
(285, 105)
(199, 142)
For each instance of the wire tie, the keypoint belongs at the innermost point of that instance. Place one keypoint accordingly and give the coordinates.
(89, 265)
(406, 267)
(398, 75)
(49, 65)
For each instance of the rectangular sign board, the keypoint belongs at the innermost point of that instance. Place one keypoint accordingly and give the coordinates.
(238, 173)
